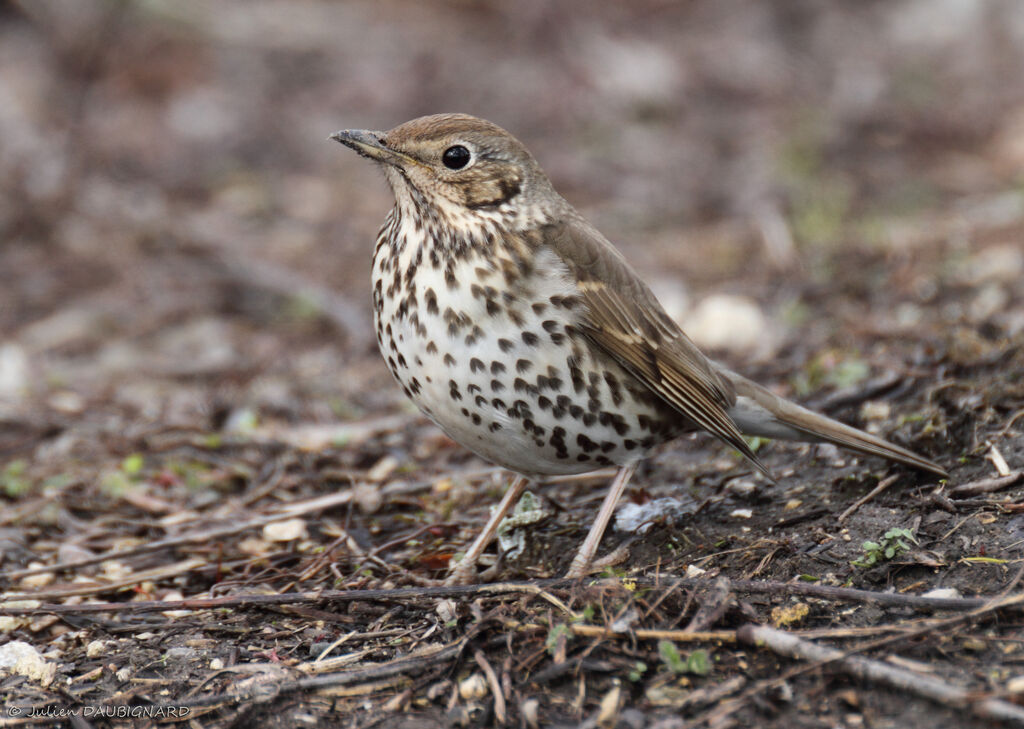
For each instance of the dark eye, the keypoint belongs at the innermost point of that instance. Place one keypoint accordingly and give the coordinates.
(455, 158)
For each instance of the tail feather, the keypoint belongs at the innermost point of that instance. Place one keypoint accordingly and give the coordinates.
(761, 412)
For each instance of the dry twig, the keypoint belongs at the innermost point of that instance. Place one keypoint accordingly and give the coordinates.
(943, 692)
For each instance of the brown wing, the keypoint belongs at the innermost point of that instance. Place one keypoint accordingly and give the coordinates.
(625, 319)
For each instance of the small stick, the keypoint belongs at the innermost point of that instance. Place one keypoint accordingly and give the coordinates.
(882, 486)
(998, 461)
(940, 691)
(492, 680)
(539, 588)
(987, 485)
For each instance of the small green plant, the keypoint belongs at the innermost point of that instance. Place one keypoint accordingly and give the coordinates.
(697, 662)
(637, 671)
(556, 632)
(13, 480)
(892, 545)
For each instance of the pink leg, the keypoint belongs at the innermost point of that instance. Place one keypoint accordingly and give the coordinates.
(465, 569)
(585, 556)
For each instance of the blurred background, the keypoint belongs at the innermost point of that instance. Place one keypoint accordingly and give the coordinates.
(816, 190)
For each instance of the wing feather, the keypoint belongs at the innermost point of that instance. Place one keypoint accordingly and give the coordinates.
(623, 317)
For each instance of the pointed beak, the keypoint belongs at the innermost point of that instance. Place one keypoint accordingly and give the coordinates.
(369, 144)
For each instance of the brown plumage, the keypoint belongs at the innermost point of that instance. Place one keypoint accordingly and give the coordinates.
(519, 329)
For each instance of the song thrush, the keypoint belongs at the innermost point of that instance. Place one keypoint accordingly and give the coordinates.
(526, 336)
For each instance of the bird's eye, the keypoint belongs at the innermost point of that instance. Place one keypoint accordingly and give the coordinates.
(455, 158)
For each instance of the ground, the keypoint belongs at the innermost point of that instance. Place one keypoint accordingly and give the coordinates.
(215, 500)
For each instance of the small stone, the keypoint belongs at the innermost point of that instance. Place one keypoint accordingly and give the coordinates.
(875, 410)
(21, 659)
(180, 653)
(473, 687)
(949, 593)
(95, 649)
(447, 611)
(285, 531)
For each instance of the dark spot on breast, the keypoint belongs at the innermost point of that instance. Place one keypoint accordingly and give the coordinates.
(431, 348)
(453, 390)
(476, 364)
(431, 299)
(530, 339)
(497, 386)
(493, 309)
(474, 335)
(549, 325)
(498, 403)
(494, 427)
(523, 366)
(476, 419)
(543, 402)
(539, 308)
(473, 387)
(414, 385)
(448, 359)
(497, 368)
(585, 443)
(505, 345)
(575, 411)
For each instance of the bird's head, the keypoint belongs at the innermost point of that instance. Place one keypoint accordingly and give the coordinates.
(457, 164)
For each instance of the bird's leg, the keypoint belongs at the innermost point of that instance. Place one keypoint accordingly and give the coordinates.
(581, 562)
(464, 570)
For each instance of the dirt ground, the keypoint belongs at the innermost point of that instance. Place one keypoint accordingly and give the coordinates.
(217, 509)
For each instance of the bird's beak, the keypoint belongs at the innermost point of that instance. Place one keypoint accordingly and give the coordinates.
(370, 144)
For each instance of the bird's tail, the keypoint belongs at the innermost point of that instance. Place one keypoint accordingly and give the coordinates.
(760, 412)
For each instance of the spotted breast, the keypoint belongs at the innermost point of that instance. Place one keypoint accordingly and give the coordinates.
(484, 336)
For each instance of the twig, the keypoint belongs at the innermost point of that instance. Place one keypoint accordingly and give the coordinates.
(882, 486)
(987, 485)
(676, 636)
(500, 712)
(998, 461)
(542, 588)
(94, 588)
(943, 692)
(406, 666)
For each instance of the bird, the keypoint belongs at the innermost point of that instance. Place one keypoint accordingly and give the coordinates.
(526, 336)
